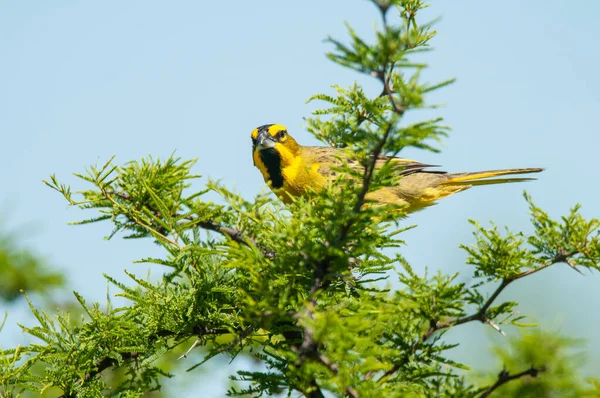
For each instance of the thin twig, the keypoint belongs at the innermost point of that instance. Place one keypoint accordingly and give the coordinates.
(368, 176)
(351, 391)
(108, 196)
(389, 372)
(232, 233)
(505, 377)
(481, 314)
(235, 235)
(185, 355)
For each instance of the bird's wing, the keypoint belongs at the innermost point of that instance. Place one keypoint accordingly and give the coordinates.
(406, 166)
(329, 158)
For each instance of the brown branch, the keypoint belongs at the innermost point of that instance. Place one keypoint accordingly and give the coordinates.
(389, 372)
(478, 316)
(309, 347)
(366, 183)
(232, 233)
(387, 91)
(316, 391)
(351, 391)
(368, 176)
(304, 346)
(481, 314)
(505, 377)
(235, 235)
(306, 349)
(381, 75)
(333, 368)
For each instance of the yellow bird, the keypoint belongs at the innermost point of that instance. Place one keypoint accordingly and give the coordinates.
(291, 169)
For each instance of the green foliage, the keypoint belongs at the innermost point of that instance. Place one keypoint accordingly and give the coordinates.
(297, 288)
(23, 270)
(560, 358)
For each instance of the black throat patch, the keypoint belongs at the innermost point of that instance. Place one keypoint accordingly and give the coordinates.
(272, 161)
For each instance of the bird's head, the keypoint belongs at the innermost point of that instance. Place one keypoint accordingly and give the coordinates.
(273, 137)
(272, 150)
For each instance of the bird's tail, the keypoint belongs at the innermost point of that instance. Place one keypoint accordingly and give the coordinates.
(486, 177)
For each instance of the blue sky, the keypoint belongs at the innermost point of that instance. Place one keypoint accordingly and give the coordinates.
(82, 81)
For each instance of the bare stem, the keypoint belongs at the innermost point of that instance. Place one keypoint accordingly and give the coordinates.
(481, 314)
(505, 377)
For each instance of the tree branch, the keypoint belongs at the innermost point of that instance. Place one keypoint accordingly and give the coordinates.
(481, 314)
(232, 233)
(316, 392)
(320, 269)
(235, 235)
(504, 377)
(368, 176)
(478, 316)
(309, 347)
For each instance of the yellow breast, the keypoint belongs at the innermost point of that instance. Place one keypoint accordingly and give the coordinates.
(299, 178)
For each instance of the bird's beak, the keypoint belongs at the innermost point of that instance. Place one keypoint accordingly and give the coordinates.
(264, 141)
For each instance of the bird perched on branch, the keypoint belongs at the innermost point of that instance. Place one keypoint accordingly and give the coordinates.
(292, 169)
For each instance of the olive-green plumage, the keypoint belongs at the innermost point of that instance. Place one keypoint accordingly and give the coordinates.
(291, 169)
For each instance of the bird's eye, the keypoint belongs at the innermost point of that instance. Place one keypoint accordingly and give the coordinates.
(281, 135)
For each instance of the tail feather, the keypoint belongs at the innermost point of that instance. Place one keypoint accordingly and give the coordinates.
(486, 177)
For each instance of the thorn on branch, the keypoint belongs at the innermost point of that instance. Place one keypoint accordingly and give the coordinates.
(562, 256)
(495, 326)
(185, 355)
(480, 315)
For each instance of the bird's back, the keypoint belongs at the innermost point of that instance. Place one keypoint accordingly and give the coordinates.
(419, 186)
